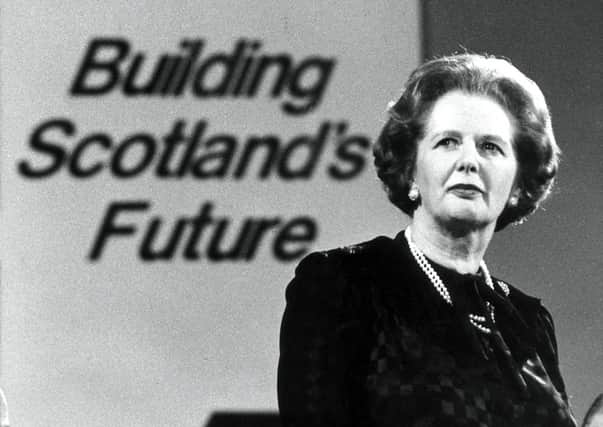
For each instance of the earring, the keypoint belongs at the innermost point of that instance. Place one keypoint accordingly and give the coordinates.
(513, 200)
(413, 193)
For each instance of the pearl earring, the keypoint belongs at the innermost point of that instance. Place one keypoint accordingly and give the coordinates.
(413, 193)
(513, 200)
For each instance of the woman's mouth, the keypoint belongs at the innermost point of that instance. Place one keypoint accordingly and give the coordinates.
(465, 190)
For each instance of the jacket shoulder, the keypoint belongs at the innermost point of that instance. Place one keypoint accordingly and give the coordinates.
(331, 274)
(515, 294)
(357, 256)
(533, 311)
(540, 321)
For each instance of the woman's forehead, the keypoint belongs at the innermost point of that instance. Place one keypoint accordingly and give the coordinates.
(458, 112)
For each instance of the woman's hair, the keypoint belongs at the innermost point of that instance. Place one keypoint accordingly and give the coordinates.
(534, 143)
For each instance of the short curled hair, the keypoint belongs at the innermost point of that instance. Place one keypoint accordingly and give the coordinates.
(537, 152)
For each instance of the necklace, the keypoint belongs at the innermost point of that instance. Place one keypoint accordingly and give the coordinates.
(476, 320)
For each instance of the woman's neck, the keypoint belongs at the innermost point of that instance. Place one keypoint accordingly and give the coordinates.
(460, 249)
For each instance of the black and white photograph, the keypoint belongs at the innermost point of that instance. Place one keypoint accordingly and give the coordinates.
(301, 214)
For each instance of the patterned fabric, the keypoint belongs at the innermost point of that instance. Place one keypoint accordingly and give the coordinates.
(406, 377)
(367, 341)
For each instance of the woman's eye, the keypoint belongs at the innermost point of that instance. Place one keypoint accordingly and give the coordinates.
(446, 142)
(491, 147)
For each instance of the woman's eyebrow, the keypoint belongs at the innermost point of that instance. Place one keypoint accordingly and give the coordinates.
(457, 134)
(443, 133)
(494, 137)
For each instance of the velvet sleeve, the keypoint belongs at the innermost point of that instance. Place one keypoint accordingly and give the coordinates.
(314, 346)
(547, 349)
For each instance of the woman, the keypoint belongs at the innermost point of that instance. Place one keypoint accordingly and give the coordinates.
(414, 331)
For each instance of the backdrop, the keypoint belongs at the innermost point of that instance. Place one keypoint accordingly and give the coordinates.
(163, 168)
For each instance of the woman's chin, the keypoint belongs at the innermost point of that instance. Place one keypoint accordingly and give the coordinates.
(459, 214)
(464, 219)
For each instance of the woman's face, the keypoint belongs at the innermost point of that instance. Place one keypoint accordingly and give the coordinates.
(466, 165)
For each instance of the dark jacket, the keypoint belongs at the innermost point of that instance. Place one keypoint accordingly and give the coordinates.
(366, 340)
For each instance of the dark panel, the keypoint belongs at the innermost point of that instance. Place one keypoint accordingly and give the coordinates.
(557, 254)
(244, 419)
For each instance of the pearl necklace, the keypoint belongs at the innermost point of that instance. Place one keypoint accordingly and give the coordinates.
(475, 319)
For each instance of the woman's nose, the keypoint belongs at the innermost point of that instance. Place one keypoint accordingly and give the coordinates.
(468, 160)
